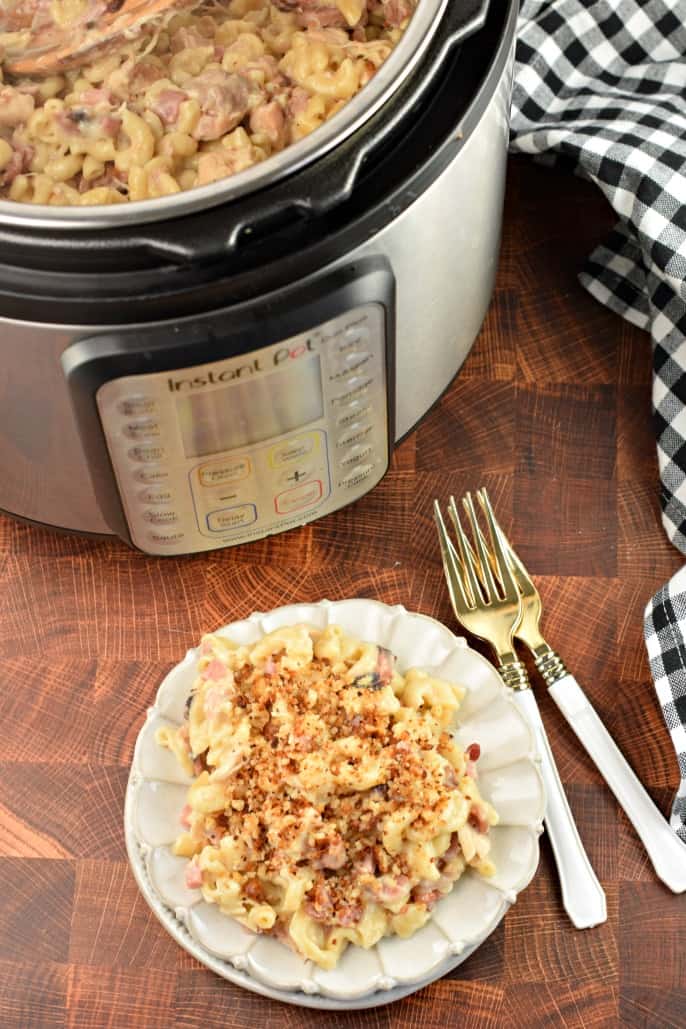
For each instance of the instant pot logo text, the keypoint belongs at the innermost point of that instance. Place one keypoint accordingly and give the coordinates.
(241, 371)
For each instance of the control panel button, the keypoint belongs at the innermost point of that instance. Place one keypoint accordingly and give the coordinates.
(143, 430)
(291, 450)
(355, 359)
(356, 382)
(219, 472)
(167, 539)
(151, 475)
(357, 330)
(353, 393)
(354, 336)
(137, 405)
(355, 433)
(231, 518)
(357, 475)
(355, 455)
(299, 497)
(156, 496)
(147, 453)
(161, 517)
(355, 411)
(352, 363)
(292, 476)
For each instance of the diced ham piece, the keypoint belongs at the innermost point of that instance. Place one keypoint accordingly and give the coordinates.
(322, 17)
(426, 893)
(15, 107)
(320, 906)
(93, 97)
(303, 742)
(298, 101)
(349, 915)
(315, 14)
(388, 888)
(215, 670)
(385, 664)
(110, 125)
(199, 762)
(366, 865)
(193, 876)
(253, 889)
(213, 700)
(269, 666)
(187, 38)
(473, 753)
(268, 120)
(268, 66)
(185, 816)
(143, 75)
(453, 850)
(477, 818)
(19, 162)
(167, 104)
(335, 856)
(450, 778)
(223, 100)
(429, 892)
(396, 11)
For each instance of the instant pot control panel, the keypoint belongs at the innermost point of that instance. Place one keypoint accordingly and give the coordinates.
(217, 453)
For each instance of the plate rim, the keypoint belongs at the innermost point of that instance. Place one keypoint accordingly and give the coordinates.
(174, 923)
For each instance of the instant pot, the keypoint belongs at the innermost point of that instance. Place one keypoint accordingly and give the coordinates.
(196, 371)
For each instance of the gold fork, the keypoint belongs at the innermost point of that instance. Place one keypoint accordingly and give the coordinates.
(485, 611)
(487, 603)
(666, 852)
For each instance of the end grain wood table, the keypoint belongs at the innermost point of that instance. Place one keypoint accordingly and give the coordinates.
(552, 413)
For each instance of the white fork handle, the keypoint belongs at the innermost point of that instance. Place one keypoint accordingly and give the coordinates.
(582, 895)
(665, 849)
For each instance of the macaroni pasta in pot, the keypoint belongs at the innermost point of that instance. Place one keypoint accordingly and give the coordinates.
(330, 804)
(197, 95)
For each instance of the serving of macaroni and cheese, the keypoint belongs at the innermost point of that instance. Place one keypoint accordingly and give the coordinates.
(329, 804)
(197, 95)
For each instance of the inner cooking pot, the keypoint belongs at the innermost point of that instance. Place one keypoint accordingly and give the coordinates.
(200, 381)
(467, 16)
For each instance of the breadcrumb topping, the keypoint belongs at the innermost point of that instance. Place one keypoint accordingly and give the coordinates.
(329, 802)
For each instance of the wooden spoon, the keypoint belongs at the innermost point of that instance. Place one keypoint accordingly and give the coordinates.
(45, 44)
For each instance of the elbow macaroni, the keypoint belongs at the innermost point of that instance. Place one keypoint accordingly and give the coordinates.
(197, 95)
(329, 803)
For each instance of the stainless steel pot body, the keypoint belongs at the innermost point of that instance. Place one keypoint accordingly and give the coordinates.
(443, 252)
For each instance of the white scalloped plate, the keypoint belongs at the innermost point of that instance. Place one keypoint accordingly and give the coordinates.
(461, 921)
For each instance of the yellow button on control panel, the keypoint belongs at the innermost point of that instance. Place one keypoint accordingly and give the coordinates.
(293, 449)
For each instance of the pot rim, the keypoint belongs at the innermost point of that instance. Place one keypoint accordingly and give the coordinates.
(393, 72)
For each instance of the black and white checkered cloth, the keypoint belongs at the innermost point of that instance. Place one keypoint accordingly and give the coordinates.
(600, 85)
(665, 627)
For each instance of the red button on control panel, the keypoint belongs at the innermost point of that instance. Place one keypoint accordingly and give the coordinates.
(305, 495)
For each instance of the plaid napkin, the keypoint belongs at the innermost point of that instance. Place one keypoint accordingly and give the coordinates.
(665, 630)
(601, 86)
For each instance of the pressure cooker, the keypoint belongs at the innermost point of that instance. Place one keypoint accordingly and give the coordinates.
(204, 369)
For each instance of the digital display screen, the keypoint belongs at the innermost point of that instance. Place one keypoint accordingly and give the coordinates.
(251, 409)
